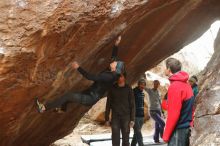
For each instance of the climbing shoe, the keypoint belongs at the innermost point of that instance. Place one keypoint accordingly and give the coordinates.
(40, 106)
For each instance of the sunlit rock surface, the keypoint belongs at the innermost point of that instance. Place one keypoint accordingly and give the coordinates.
(207, 121)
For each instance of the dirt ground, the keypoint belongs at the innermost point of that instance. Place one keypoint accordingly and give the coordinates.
(88, 127)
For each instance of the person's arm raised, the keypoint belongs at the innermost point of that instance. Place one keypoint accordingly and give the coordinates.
(92, 77)
(147, 90)
(115, 48)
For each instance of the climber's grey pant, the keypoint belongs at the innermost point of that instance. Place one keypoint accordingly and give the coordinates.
(87, 99)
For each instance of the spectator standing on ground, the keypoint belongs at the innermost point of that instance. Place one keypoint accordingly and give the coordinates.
(180, 105)
(120, 100)
(155, 110)
(193, 82)
(139, 116)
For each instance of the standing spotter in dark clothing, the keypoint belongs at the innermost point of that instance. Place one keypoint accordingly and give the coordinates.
(139, 116)
(120, 101)
(139, 102)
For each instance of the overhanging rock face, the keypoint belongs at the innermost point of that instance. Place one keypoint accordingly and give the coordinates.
(38, 39)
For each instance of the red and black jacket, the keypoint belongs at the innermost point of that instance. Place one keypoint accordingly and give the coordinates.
(180, 104)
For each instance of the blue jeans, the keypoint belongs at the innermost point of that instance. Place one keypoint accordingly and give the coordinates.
(159, 124)
(180, 137)
(137, 137)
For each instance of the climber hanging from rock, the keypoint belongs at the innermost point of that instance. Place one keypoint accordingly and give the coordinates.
(102, 83)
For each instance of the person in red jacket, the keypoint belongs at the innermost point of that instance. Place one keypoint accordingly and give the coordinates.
(180, 104)
(164, 103)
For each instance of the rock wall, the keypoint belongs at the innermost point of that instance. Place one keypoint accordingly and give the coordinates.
(207, 117)
(38, 40)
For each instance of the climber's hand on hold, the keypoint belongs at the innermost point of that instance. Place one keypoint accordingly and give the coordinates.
(75, 65)
(118, 41)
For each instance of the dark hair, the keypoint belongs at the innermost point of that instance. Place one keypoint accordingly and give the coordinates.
(142, 80)
(114, 58)
(124, 74)
(165, 96)
(195, 78)
(157, 81)
(174, 65)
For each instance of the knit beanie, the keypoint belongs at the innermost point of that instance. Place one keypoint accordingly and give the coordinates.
(120, 67)
(193, 80)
